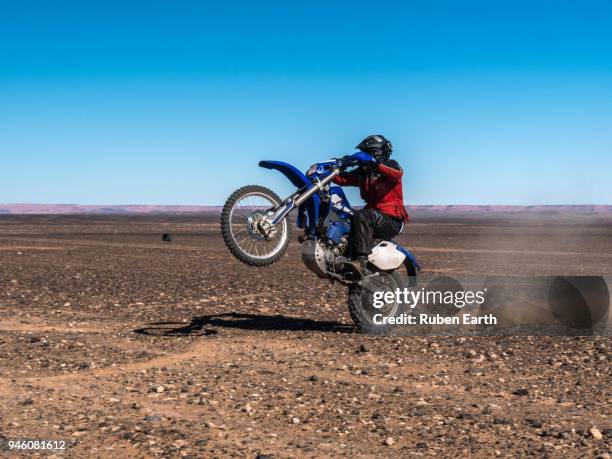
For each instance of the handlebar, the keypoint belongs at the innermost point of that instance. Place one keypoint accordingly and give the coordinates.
(356, 159)
(346, 162)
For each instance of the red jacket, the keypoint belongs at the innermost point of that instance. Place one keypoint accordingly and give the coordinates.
(381, 190)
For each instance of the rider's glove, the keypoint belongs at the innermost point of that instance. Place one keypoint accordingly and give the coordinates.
(344, 161)
(360, 159)
(364, 159)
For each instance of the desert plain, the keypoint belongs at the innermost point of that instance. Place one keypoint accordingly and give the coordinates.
(122, 345)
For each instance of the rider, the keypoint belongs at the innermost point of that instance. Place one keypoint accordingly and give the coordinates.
(379, 179)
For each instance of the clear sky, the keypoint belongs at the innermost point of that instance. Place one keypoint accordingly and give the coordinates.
(175, 102)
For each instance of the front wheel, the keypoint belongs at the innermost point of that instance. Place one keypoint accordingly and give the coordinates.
(246, 230)
(367, 305)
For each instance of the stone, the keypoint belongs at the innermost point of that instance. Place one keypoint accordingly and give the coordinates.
(521, 392)
(596, 433)
(502, 421)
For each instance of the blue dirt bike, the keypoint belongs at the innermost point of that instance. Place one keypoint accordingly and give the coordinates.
(256, 230)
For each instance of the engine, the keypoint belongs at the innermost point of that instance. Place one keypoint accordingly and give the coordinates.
(323, 255)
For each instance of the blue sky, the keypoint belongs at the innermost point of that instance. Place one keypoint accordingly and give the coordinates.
(176, 102)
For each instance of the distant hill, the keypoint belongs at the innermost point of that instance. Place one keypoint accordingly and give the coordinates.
(541, 209)
(76, 209)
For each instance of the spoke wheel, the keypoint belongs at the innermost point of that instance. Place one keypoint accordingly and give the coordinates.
(246, 230)
(361, 301)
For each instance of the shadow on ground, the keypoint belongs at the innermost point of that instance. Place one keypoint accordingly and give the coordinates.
(199, 325)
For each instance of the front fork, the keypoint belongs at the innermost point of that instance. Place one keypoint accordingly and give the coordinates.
(299, 198)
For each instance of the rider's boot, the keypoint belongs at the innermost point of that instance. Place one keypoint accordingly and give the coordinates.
(357, 265)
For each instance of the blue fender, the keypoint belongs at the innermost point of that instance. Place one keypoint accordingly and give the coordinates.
(308, 213)
(409, 255)
(294, 175)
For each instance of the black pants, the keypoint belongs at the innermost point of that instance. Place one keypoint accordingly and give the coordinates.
(367, 225)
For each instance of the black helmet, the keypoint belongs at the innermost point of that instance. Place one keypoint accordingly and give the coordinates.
(377, 146)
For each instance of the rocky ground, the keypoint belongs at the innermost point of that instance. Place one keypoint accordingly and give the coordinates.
(122, 345)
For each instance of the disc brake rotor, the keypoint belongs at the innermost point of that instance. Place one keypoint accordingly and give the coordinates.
(260, 228)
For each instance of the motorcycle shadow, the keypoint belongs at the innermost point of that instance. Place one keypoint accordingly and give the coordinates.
(199, 325)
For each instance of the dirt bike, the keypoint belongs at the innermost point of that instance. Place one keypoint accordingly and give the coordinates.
(256, 230)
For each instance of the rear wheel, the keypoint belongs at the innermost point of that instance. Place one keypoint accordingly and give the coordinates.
(362, 301)
(246, 231)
